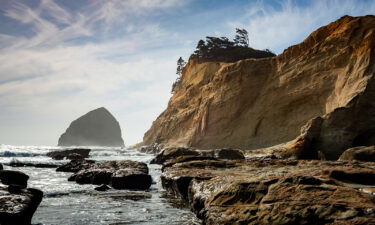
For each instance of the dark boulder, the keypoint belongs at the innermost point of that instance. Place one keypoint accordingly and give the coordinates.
(170, 153)
(59, 155)
(18, 206)
(74, 156)
(16, 163)
(119, 174)
(1, 166)
(9, 177)
(234, 154)
(96, 128)
(131, 179)
(362, 153)
(102, 187)
(75, 166)
(92, 176)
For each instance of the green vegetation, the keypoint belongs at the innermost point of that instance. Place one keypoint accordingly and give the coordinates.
(223, 50)
(180, 66)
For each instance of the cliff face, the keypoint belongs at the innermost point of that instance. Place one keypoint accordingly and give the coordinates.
(96, 128)
(258, 103)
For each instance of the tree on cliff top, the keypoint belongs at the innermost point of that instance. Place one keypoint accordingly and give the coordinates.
(241, 38)
(222, 49)
(180, 66)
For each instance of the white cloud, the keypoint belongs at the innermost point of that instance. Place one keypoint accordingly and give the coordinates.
(110, 53)
(46, 81)
(279, 27)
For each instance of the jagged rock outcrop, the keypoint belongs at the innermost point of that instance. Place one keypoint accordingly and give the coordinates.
(275, 191)
(328, 79)
(96, 128)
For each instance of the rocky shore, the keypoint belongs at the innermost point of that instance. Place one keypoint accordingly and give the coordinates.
(17, 202)
(263, 189)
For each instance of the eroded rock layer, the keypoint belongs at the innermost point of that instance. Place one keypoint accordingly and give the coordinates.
(262, 190)
(257, 103)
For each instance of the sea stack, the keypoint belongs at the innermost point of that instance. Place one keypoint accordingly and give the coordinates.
(96, 128)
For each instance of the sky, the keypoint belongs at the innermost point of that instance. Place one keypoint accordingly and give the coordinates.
(60, 59)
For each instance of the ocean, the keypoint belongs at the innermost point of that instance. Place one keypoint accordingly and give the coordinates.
(68, 203)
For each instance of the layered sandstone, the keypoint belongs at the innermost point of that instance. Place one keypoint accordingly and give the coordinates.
(257, 103)
(262, 190)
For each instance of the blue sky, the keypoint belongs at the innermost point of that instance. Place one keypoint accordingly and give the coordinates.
(62, 58)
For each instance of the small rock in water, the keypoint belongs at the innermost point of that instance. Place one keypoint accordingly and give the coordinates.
(124, 174)
(10, 177)
(59, 155)
(17, 204)
(102, 187)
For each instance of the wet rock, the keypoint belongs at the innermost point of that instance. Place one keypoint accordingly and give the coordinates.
(1, 166)
(227, 153)
(170, 153)
(92, 176)
(18, 205)
(274, 191)
(357, 176)
(362, 153)
(10, 177)
(119, 174)
(59, 155)
(16, 163)
(186, 158)
(15, 189)
(150, 149)
(102, 187)
(131, 179)
(74, 156)
(134, 196)
(75, 166)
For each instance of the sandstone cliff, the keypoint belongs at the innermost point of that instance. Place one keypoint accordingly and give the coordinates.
(96, 128)
(257, 103)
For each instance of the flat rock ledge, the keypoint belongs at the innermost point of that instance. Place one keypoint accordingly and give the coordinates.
(266, 190)
(17, 203)
(117, 174)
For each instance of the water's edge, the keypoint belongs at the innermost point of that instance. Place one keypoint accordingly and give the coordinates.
(69, 203)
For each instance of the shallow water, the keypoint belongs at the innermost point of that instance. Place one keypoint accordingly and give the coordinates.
(69, 203)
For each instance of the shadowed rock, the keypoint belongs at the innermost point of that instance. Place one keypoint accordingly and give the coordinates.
(69, 153)
(10, 177)
(119, 174)
(274, 191)
(75, 166)
(170, 153)
(361, 153)
(96, 128)
(17, 204)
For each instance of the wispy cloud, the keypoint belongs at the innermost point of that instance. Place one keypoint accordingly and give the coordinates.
(51, 77)
(121, 55)
(284, 23)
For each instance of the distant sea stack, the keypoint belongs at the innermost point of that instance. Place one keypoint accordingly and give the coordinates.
(257, 103)
(96, 128)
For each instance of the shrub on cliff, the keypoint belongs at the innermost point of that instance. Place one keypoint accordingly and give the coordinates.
(222, 49)
(180, 66)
